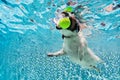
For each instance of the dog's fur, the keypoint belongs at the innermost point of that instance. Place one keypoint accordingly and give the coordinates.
(76, 48)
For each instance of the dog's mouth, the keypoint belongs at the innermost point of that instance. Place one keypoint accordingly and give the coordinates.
(58, 28)
(71, 28)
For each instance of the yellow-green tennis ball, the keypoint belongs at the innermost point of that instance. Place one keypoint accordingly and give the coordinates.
(69, 9)
(64, 23)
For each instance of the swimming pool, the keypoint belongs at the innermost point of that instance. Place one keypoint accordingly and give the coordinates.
(27, 34)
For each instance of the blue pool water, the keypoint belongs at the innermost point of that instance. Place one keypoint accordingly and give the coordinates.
(27, 34)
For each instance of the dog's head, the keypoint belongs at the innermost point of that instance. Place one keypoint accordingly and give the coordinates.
(67, 24)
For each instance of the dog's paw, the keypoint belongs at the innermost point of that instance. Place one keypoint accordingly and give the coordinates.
(95, 68)
(50, 54)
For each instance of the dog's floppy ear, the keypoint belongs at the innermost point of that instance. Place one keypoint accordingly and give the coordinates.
(74, 24)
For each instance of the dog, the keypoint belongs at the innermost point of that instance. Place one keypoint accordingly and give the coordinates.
(75, 46)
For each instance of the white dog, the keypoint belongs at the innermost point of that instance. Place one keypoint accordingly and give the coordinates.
(76, 48)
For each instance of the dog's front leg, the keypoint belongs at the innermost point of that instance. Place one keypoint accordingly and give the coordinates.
(61, 52)
(81, 53)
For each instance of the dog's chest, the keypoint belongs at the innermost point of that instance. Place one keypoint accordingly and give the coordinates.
(71, 45)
